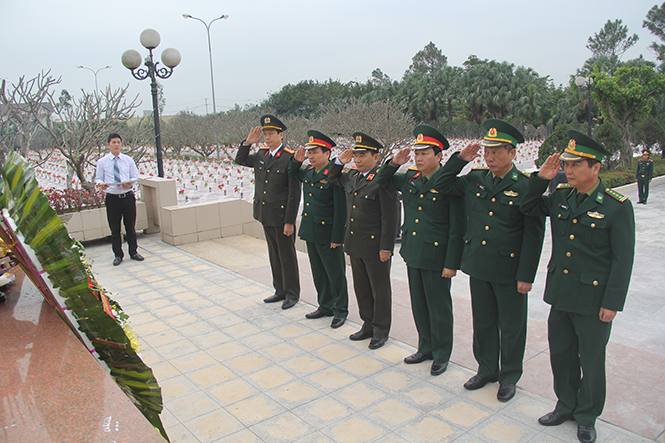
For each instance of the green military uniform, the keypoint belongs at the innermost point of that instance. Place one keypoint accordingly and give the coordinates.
(593, 244)
(431, 241)
(501, 247)
(276, 200)
(322, 223)
(644, 175)
(370, 227)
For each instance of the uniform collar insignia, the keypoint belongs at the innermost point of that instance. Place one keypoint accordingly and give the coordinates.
(599, 197)
(416, 175)
(595, 214)
(514, 176)
(267, 152)
(370, 177)
(511, 193)
(325, 172)
(278, 153)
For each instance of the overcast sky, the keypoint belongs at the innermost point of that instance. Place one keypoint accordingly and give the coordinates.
(267, 44)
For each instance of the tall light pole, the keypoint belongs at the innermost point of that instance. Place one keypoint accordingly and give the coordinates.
(94, 72)
(212, 78)
(131, 59)
(587, 83)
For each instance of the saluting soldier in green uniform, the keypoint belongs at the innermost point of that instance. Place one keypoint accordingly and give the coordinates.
(593, 246)
(370, 236)
(644, 175)
(276, 200)
(322, 227)
(431, 244)
(501, 252)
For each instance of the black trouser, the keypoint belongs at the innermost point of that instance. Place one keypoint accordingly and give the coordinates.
(122, 207)
(371, 281)
(283, 261)
(643, 189)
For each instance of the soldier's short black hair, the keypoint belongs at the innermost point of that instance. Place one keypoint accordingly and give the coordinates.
(591, 161)
(112, 136)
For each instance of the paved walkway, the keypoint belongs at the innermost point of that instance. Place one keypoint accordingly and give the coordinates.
(234, 369)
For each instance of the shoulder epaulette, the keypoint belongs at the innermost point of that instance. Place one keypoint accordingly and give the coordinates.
(413, 168)
(480, 168)
(612, 193)
(526, 174)
(564, 186)
(263, 147)
(289, 150)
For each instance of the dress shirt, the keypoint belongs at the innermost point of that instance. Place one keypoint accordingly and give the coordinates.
(105, 173)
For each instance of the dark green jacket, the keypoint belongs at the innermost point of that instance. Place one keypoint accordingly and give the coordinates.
(433, 222)
(324, 210)
(593, 246)
(276, 197)
(501, 244)
(371, 224)
(644, 170)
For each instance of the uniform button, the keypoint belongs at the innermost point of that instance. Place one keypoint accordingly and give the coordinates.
(493, 199)
(266, 181)
(595, 282)
(312, 184)
(263, 203)
(268, 170)
(491, 213)
(351, 218)
(565, 271)
(572, 237)
(417, 221)
(420, 208)
(512, 254)
(310, 194)
(483, 242)
(282, 207)
(436, 243)
(372, 237)
(487, 228)
(323, 223)
(478, 194)
(558, 216)
(414, 233)
(422, 195)
(306, 204)
(593, 225)
(510, 202)
(574, 220)
(351, 232)
(265, 192)
(354, 206)
(355, 193)
(305, 214)
(434, 199)
(568, 254)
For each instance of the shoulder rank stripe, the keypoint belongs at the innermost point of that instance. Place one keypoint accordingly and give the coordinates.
(526, 174)
(413, 168)
(289, 150)
(263, 147)
(564, 186)
(612, 193)
(480, 168)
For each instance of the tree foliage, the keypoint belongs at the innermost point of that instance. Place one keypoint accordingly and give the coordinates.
(655, 22)
(612, 41)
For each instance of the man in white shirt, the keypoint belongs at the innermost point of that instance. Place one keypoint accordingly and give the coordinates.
(116, 174)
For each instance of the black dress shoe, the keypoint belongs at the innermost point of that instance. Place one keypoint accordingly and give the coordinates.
(274, 298)
(117, 261)
(317, 314)
(377, 342)
(554, 419)
(289, 303)
(360, 335)
(586, 434)
(417, 358)
(337, 322)
(477, 382)
(136, 256)
(506, 391)
(438, 368)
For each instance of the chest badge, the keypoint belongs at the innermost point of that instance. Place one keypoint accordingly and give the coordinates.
(511, 193)
(595, 214)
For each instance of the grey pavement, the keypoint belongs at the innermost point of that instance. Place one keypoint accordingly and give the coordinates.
(234, 369)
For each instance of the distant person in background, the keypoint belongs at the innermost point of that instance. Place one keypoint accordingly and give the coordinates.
(117, 167)
(276, 200)
(644, 175)
(322, 227)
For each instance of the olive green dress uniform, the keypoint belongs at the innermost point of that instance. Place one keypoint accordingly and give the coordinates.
(432, 235)
(276, 200)
(501, 247)
(593, 246)
(322, 223)
(370, 227)
(644, 175)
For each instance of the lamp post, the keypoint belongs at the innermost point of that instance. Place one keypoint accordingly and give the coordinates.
(212, 78)
(131, 59)
(586, 82)
(94, 72)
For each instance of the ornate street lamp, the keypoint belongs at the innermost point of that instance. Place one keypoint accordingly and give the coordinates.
(586, 82)
(131, 59)
(94, 72)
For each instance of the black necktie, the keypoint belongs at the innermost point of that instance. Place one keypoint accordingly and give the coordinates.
(581, 197)
(497, 180)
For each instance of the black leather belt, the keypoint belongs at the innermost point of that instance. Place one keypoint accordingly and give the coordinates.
(126, 194)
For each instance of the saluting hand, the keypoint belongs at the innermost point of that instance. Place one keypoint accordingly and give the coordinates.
(299, 156)
(346, 156)
(254, 136)
(401, 157)
(470, 152)
(550, 168)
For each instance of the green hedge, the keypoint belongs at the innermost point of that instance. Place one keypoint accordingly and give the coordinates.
(624, 176)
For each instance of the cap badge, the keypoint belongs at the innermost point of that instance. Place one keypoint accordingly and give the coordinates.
(359, 139)
(266, 120)
(311, 139)
(419, 138)
(492, 132)
(572, 144)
